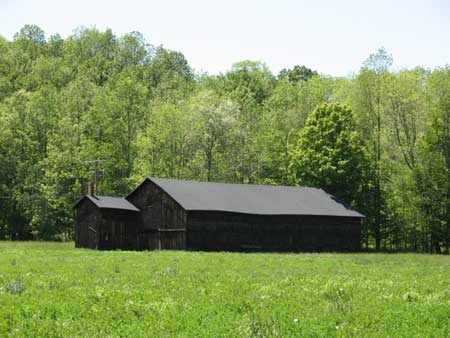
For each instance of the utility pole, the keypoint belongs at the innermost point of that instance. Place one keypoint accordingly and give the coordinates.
(96, 172)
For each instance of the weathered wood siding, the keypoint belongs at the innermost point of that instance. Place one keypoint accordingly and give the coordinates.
(87, 220)
(164, 224)
(222, 231)
(162, 221)
(105, 229)
(118, 230)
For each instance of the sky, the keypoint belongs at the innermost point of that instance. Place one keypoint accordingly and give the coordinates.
(332, 37)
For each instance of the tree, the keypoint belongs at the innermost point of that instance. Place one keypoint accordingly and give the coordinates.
(6, 63)
(28, 45)
(329, 155)
(433, 176)
(281, 122)
(91, 53)
(284, 116)
(31, 33)
(130, 101)
(379, 62)
(133, 50)
(249, 84)
(296, 74)
(215, 118)
(405, 107)
(168, 76)
(368, 101)
(166, 147)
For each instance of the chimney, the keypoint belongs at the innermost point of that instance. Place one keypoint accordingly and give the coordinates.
(89, 188)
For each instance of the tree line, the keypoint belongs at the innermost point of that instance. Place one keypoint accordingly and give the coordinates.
(378, 140)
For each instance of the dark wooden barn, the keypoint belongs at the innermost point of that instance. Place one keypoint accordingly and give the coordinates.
(106, 223)
(188, 215)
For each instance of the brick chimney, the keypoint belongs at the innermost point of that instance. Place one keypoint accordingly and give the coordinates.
(89, 189)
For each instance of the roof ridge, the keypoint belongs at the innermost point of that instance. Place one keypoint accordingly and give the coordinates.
(101, 196)
(230, 183)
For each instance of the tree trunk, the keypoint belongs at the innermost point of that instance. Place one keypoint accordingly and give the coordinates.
(437, 247)
(377, 214)
(378, 183)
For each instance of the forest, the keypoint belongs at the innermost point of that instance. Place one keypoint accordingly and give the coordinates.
(96, 107)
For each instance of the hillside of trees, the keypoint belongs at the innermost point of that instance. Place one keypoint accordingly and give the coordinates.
(379, 140)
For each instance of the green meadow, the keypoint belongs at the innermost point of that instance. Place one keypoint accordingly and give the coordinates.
(54, 290)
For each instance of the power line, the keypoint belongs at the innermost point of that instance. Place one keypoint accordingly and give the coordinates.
(40, 196)
(96, 172)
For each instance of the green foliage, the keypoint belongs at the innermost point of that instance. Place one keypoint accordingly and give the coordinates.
(379, 62)
(141, 110)
(297, 74)
(329, 155)
(215, 120)
(54, 290)
(249, 83)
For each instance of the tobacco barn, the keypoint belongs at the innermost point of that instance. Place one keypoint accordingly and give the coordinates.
(189, 215)
(106, 223)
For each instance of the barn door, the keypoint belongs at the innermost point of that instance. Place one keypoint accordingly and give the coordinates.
(106, 235)
(172, 239)
(92, 237)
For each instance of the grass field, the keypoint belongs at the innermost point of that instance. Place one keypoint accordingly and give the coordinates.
(54, 290)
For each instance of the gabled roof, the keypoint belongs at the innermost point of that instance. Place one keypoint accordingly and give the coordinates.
(253, 199)
(108, 202)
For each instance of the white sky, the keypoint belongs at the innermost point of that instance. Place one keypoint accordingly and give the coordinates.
(332, 37)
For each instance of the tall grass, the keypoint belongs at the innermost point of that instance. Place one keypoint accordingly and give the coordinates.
(54, 290)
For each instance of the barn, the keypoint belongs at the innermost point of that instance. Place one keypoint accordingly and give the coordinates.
(189, 215)
(106, 223)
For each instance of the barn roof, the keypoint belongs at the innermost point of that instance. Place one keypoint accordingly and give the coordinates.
(108, 202)
(253, 199)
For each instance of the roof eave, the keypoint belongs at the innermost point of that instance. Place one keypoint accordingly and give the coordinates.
(267, 214)
(165, 191)
(81, 199)
(137, 188)
(123, 209)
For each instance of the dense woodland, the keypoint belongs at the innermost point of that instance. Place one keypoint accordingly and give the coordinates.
(378, 140)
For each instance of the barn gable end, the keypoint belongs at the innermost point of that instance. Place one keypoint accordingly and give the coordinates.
(87, 219)
(104, 222)
(162, 221)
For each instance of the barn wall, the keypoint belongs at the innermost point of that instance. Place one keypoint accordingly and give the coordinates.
(162, 220)
(213, 231)
(118, 229)
(87, 220)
